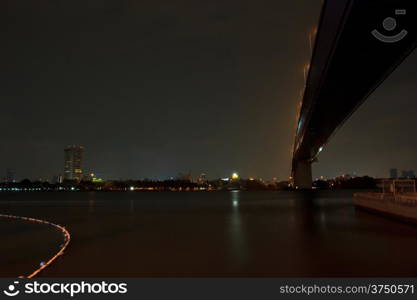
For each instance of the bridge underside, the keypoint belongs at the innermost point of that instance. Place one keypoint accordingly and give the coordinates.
(347, 65)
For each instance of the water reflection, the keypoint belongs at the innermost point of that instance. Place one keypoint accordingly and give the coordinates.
(235, 233)
(91, 202)
(234, 196)
(238, 249)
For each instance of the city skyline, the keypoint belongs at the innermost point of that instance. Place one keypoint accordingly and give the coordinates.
(74, 170)
(231, 107)
(159, 139)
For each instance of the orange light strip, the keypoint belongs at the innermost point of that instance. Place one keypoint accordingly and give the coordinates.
(67, 239)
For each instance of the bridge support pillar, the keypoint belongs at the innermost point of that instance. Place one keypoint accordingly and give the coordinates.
(302, 175)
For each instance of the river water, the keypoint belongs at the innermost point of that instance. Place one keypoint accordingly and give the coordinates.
(237, 233)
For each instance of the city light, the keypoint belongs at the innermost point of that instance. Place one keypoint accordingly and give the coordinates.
(235, 176)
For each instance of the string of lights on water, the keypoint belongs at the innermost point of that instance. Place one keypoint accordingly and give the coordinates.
(65, 233)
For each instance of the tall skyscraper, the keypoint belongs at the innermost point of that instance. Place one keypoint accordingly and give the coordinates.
(73, 165)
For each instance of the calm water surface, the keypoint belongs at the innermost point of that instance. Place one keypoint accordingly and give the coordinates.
(204, 234)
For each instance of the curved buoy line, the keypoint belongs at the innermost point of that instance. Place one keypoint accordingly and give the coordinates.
(67, 238)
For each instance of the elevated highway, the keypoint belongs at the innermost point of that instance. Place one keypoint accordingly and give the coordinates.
(359, 43)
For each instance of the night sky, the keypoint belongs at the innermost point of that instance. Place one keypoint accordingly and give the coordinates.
(155, 88)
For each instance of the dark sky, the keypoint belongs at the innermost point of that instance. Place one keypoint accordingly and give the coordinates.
(154, 88)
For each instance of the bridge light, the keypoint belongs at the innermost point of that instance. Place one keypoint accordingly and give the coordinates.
(320, 149)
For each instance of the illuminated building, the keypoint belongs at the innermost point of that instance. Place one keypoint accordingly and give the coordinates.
(73, 163)
(57, 179)
(202, 178)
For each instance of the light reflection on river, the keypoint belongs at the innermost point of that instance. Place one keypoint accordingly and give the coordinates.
(205, 234)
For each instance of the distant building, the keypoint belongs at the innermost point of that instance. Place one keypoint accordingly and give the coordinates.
(185, 177)
(73, 164)
(92, 177)
(343, 177)
(393, 173)
(57, 179)
(408, 174)
(202, 178)
(9, 175)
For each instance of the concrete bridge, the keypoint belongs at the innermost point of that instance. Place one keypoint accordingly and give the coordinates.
(359, 43)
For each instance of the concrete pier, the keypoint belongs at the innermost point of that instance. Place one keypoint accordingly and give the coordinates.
(302, 175)
(401, 207)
